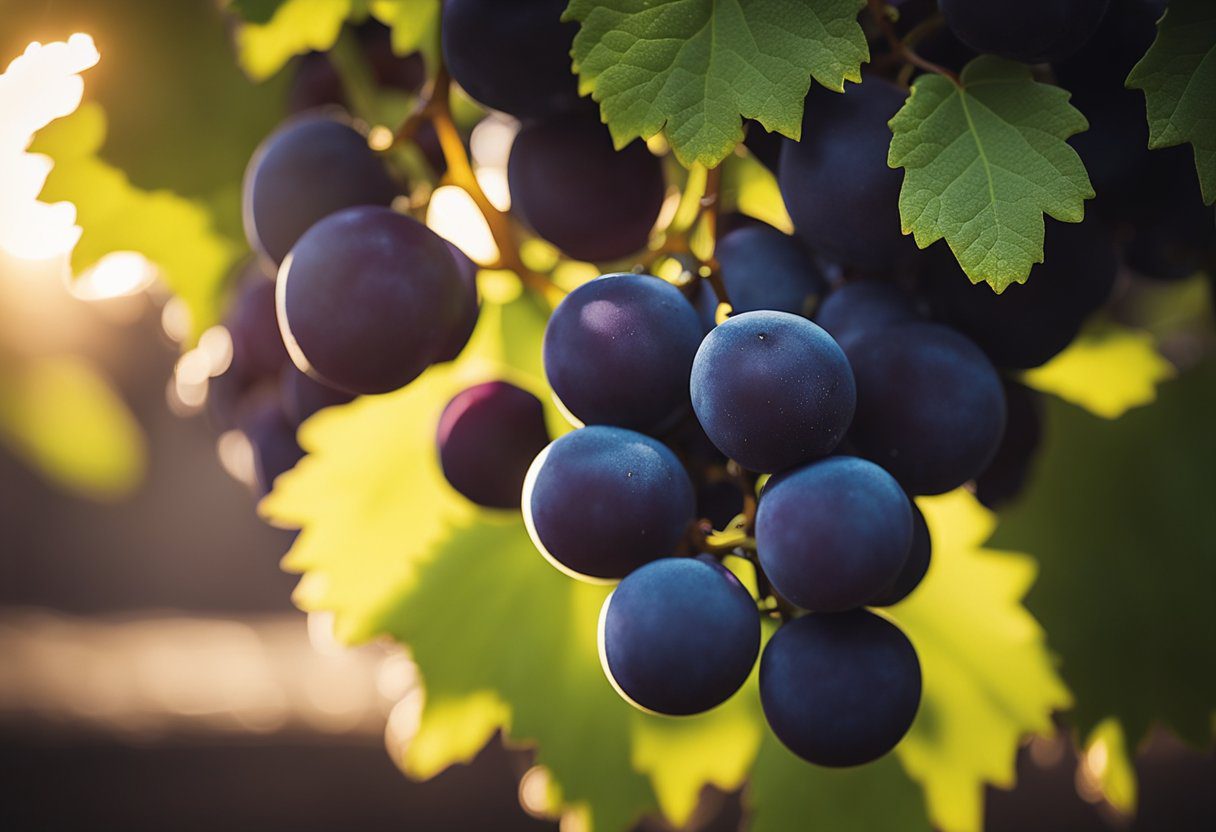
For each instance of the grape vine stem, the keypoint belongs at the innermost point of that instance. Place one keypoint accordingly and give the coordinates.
(878, 11)
(435, 106)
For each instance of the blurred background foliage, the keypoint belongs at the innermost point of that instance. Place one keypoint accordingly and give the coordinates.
(1118, 515)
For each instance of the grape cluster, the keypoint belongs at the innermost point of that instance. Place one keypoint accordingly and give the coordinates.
(751, 433)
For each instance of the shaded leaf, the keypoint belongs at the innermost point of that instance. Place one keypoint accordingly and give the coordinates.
(1178, 77)
(984, 160)
(1120, 515)
(787, 794)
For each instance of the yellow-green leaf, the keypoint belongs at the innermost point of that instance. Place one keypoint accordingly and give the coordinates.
(750, 188)
(1107, 760)
(296, 27)
(1108, 372)
(65, 419)
(176, 234)
(988, 677)
(370, 498)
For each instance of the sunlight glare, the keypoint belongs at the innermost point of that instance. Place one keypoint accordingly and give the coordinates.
(37, 87)
(454, 216)
(117, 274)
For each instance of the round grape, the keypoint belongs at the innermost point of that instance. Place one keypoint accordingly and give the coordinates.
(312, 166)
(841, 195)
(861, 306)
(763, 268)
(512, 55)
(930, 408)
(1002, 481)
(619, 349)
(840, 689)
(915, 566)
(463, 330)
(303, 396)
(833, 535)
(368, 298)
(601, 501)
(679, 636)
(578, 192)
(273, 441)
(772, 390)
(488, 436)
(1030, 322)
(1032, 31)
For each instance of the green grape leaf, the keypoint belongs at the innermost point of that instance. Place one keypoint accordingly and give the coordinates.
(988, 677)
(67, 421)
(787, 794)
(414, 25)
(750, 188)
(255, 11)
(1107, 371)
(1178, 77)
(193, 260)
(1120, 514)
(694, 68)
(390, 548)
(296, 27)
(1108, 760)
(371, 482)
(984, 159)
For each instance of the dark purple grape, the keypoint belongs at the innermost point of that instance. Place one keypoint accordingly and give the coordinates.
(512, 55)
(1032, 31)
(1030, 322)
(930, 408)
(833, 535)
(763, 268)
(257, 347)
(841, 195)
(601, 501)
(314, 83)
(772, 390)
(368, 300)
(463, 330)
(303, 396)
(488, 436)
(1001, 482)
(273, 440)
(574, 189)
(862, 306)
(312, 166)
(258, 354)
(679, 636)
(619, 350)
(915, 566)
(840, 689)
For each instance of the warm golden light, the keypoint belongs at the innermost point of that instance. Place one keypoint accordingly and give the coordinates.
(454, 216)
(116, 275)
(490, 141)
(37, 87)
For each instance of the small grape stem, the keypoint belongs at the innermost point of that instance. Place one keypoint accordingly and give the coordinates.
(435, 107)
(901, 48)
